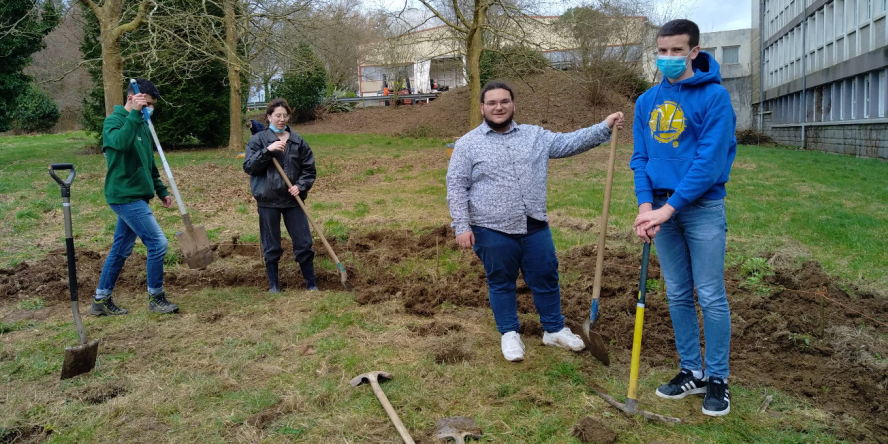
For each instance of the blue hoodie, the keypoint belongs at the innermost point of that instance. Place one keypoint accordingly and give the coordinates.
(684, 137)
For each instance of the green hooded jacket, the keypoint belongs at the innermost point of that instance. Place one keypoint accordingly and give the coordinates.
(132, 174)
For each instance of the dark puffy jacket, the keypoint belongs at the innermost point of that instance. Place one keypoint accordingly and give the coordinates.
(267, 185)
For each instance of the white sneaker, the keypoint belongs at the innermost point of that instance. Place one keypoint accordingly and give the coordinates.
(564, 339)
(513, 348)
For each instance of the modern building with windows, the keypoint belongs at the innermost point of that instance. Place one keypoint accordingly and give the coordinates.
(822, 80)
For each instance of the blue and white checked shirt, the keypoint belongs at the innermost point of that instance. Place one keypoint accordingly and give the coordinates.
(497, 180)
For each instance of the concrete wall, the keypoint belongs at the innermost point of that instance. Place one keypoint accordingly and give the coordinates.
(862, 140)
(741, 89)
(736, 77)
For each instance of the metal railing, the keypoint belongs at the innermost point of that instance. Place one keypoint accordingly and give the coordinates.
(252, 106)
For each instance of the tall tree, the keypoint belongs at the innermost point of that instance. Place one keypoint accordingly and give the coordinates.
(194, 92)
(110, 14)
(23, 24)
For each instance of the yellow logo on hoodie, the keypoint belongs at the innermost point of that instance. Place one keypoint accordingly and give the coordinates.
(667, 123)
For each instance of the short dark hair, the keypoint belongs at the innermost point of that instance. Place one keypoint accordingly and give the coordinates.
(496, 84)
(145, 87)
(277, 103)
(681, 27)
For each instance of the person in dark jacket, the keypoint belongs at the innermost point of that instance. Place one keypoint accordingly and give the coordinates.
(275, 200)
(255, 126)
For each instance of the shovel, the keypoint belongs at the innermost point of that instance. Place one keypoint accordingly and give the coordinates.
(343, 276)
(81, 358)
(593, 340)
(458, 428)
(193, 242)
(631, 405)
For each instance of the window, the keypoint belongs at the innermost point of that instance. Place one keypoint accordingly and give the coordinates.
(854, 98)
(866, 96)
(839, 87)
(832, 98)
(710, 51)
(883, 91)
(730, 54)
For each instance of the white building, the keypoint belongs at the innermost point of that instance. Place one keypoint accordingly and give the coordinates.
(823, 74)
(733, 50)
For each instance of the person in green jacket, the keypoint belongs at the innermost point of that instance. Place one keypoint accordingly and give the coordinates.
(131, 181)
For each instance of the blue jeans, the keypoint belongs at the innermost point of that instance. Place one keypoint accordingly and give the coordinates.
(534, 254)
(134, 219)
(691, 248)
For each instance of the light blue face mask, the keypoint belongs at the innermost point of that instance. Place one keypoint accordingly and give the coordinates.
(149, 110)
(275, 129)
(672, 66)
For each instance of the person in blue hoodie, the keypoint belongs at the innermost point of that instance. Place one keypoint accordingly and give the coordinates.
(684, 148)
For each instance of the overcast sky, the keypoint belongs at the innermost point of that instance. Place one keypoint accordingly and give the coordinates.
(720, 15)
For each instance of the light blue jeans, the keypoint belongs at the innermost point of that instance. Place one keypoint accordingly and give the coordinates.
(691, 249)
(134, 219)
(503, 256)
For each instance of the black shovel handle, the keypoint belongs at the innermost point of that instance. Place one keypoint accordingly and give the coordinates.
(65, 184)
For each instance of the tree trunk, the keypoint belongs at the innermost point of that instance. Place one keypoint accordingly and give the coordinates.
(112, 66)
(235, 134)
(474, 46)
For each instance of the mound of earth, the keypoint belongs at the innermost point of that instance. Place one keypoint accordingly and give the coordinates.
(805, 335)
(556, 100)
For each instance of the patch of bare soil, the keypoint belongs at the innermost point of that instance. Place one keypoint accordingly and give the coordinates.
(553, 99)
(826, 349)
(590, 430)
(24, 435)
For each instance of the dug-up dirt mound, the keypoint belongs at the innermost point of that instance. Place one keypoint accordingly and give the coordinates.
(804, 334)
(553, 99)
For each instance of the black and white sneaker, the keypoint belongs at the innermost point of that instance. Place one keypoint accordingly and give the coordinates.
(683, 384)
(718, 399)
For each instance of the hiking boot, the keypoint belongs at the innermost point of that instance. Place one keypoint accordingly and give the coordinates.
(308, 272)
(158, 303)
(106, 307)
(683, 384)
(718, 399)
(271, 268)
(564, 338)
(513, 348)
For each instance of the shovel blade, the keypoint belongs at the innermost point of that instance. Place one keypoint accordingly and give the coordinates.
(594, 342)
(458, 428)
(195, 245)
(80, 359)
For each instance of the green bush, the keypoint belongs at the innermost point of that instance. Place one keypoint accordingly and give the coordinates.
(331, 103)
(34, 112)
(511, 62)
(303, 85)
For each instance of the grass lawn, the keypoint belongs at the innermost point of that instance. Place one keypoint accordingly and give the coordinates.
(242, 365)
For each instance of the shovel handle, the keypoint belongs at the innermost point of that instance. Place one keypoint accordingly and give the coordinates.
(632, 397)
(380, 395)
(305, 210)
(605, 213)
(166, 166)
(65, 184)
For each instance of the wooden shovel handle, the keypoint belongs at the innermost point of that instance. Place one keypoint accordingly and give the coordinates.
(599, 261)
(305, 210)
(380, 395)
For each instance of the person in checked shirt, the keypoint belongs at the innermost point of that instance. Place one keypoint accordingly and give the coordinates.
(496, 191)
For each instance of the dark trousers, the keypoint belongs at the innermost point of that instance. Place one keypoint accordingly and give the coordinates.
(297, 226)
(533, 254)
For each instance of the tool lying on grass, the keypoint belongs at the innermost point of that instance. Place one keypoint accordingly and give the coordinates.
(80, 358)
(372, 378)
(458, 428)
(593, 340)
(194, 242)
(631, 405)
(343, 276)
